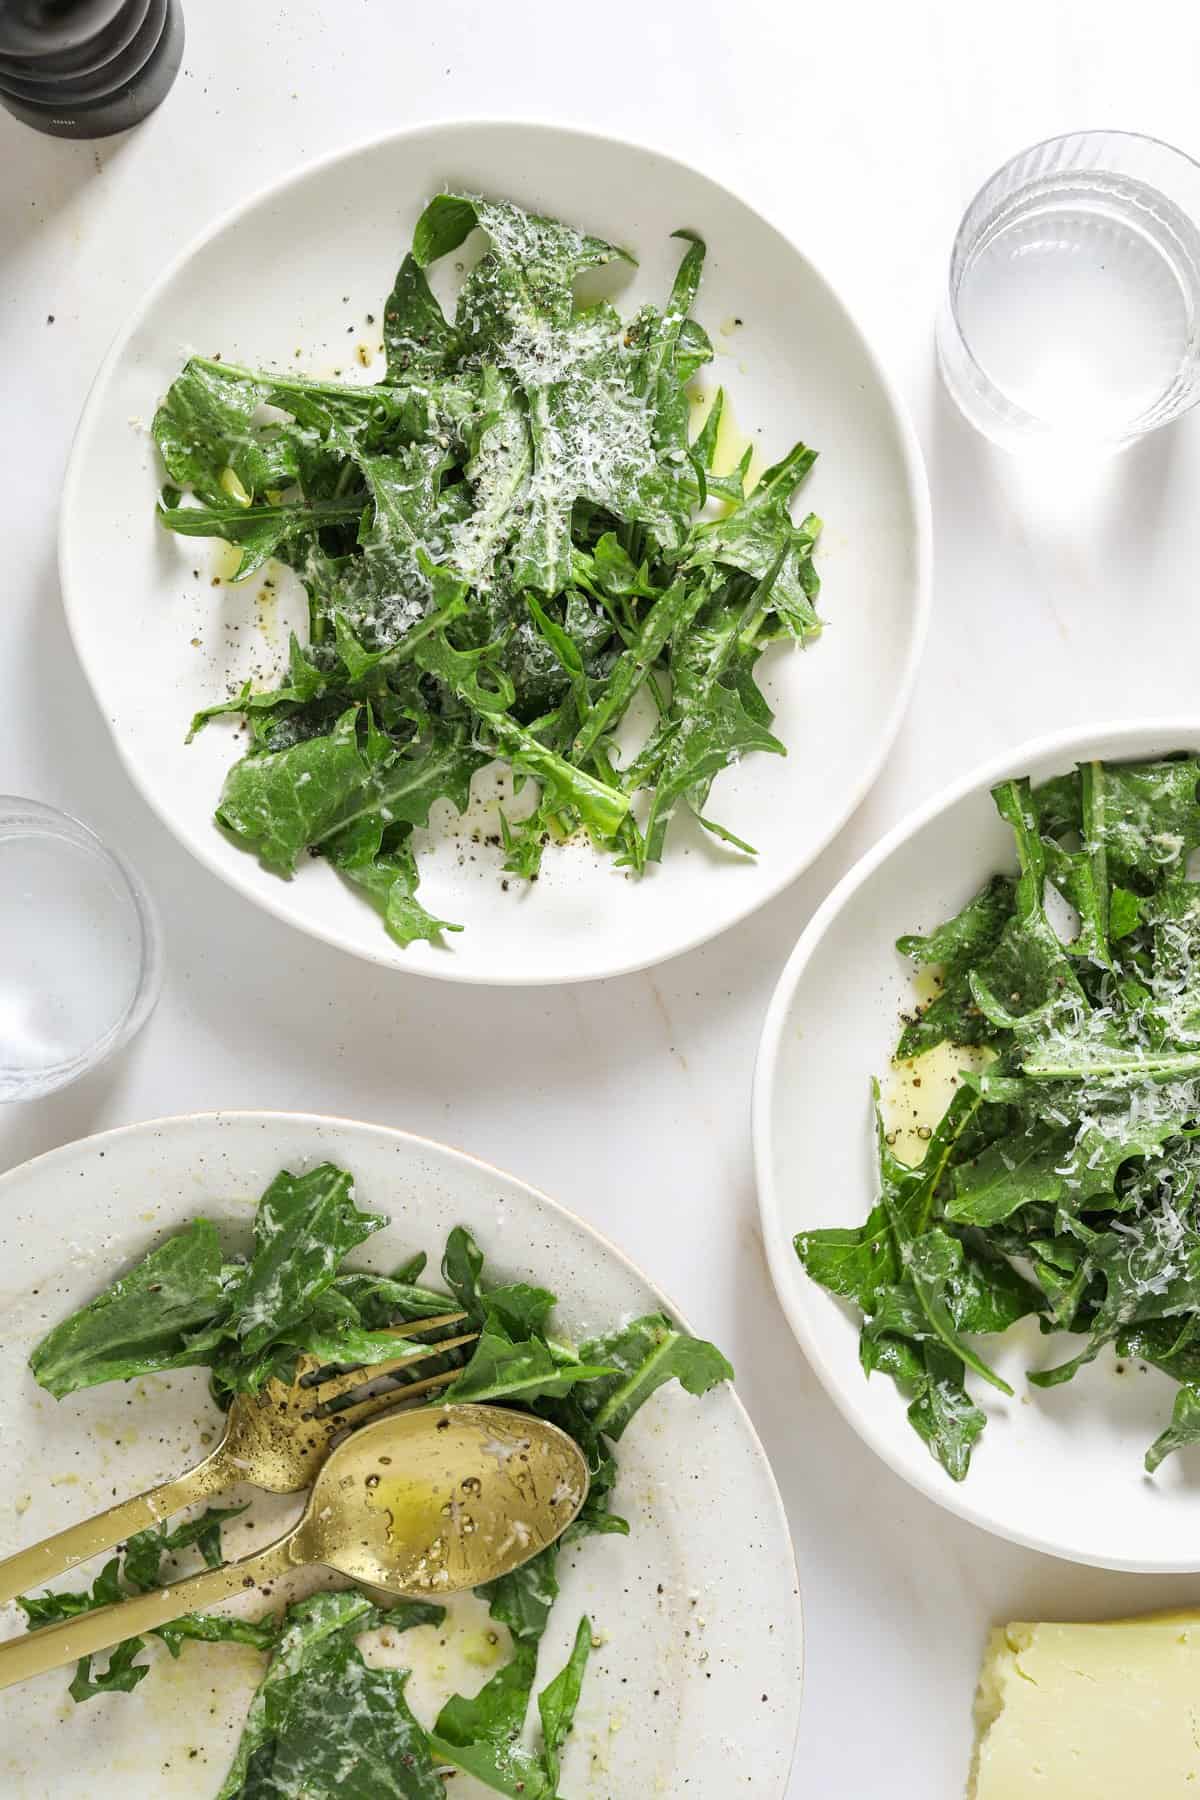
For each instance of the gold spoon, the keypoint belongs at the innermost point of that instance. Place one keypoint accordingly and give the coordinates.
(423, 1504)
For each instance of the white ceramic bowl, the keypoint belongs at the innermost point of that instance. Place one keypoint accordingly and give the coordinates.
(1059, 1471)
(157, 641)
(699, 1607)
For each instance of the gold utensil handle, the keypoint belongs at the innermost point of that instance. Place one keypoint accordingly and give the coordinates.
(88, 1633)
(40, 1563)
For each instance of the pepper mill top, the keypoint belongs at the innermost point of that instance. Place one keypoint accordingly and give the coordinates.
(38, 32)
(87, 68)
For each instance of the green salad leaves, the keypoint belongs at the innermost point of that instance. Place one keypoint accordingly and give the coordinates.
(326, 1723)
(505, 544)
(323, 1722)
(187, 1305)
(1062, 1179)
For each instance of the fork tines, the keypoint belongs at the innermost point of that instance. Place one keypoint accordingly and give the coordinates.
(339, 1387)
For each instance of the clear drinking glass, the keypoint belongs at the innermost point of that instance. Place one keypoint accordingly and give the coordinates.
(1072, 312)
(80, 958)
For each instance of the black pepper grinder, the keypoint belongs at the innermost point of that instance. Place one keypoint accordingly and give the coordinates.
(87, 68)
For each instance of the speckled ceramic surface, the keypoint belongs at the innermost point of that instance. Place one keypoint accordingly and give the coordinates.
(695, 1690)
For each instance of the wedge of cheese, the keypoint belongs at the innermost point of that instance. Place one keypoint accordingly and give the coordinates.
(1090, 1712)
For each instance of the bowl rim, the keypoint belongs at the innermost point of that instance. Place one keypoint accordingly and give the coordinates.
(72, 580)
(1072, 743)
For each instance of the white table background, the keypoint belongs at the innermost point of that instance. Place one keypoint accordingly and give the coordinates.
(863, 130)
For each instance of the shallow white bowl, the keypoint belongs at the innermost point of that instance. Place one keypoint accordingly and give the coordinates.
(698, 1609)
(294, 268)
(1059, 1471)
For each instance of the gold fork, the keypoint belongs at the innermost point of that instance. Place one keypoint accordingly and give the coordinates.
(276, 1439)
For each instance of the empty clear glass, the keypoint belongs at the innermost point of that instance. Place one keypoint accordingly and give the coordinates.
(1072, 312)
(80, 961)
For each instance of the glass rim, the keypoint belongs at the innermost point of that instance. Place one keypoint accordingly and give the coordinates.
(1021, 415)
(16, 810)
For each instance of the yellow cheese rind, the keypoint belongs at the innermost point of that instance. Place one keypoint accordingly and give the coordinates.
(1090, 1712)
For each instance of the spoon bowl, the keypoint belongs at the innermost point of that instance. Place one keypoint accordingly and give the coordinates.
(434, 1501)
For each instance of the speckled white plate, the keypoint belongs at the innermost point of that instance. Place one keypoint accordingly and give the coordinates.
(696, 1688)
(1059, 1471)
(298, 268)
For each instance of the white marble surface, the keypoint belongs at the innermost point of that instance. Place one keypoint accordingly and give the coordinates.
(862, 129)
